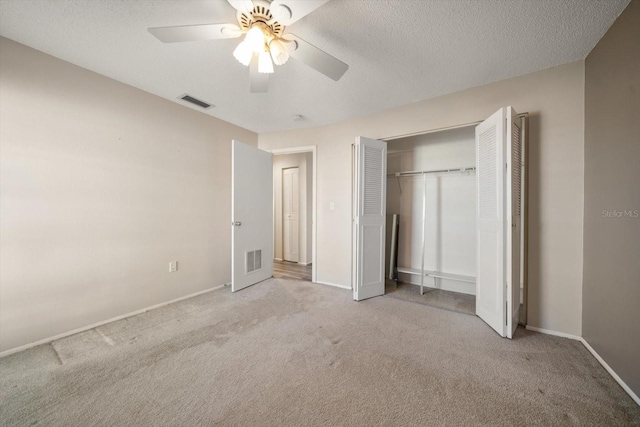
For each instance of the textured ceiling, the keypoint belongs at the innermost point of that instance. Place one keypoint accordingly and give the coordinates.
(399, 51)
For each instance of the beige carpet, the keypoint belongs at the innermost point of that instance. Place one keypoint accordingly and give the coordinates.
(288, 352)
(447, 300)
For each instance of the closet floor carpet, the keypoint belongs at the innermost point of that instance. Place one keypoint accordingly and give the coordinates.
(296, 353)
(453, 301)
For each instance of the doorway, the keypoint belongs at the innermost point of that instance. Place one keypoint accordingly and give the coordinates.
(495, 228)
(294, 207)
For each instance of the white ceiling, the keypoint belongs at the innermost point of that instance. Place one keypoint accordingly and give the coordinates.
(399, 51)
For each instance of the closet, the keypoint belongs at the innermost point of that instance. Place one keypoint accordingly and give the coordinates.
(444, 210)
(431, 191)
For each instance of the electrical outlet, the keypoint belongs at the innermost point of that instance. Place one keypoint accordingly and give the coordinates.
(173, 266)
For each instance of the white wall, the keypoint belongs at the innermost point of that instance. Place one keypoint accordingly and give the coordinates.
(450, 205)
(101, 186)
(304, 163)
(555, 100)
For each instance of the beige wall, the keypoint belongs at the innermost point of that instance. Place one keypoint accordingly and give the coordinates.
(611, 292)
(304, 163)
(101, 186)
(555, 100)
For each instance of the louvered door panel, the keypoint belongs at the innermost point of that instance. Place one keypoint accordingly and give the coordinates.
(490, 279)
(513, 218)
(369, 221)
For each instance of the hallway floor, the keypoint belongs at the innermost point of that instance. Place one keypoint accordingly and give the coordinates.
(291, 270)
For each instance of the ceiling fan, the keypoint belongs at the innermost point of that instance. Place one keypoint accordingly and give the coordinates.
(265, 41)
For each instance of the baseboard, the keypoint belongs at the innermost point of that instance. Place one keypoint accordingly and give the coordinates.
(604, 364)
(554, 333)
(615, 376)
(301, 263)
(104, 322)
(335, 285)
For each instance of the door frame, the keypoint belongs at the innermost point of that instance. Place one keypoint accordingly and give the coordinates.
(314, 223)
(524, 235)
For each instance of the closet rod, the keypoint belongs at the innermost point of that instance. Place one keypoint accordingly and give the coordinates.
(412, 173)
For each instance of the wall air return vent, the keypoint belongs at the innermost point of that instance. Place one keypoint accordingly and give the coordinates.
(253, 261)
(190, 99)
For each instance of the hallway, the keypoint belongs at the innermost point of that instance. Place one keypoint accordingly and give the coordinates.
(291, 270)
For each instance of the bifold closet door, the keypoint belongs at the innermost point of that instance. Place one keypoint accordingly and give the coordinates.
(498, 163)
(370, 169)
(514, 217)
(251, 215)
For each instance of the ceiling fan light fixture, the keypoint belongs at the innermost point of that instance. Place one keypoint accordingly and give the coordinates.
(243, 53)
(255, 39)
(265, 65)
(279, 52)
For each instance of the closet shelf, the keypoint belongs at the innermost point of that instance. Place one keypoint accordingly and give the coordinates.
(437, 274)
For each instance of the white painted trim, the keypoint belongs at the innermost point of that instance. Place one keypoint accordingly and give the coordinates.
(304, 263)
(104, 322)
(615, 376)
(335, 285)
(554, 333)
(293, 150)
(425, 132)
(278, 259)
(313, 149)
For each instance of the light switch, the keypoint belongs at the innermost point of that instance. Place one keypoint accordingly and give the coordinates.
(332, 206)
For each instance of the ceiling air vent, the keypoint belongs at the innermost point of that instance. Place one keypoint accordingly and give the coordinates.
(195, 101)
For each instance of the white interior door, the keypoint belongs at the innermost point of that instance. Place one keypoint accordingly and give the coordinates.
(290, 214)
(251, 216)
(497, 225)
(369, 217)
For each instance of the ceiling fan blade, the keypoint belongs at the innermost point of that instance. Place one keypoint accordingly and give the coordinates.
(241, 5)
(289, 11)
(259, 81)
(316, 58)
(188, 33)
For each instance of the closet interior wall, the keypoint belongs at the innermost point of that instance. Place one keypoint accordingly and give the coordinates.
(450, 201)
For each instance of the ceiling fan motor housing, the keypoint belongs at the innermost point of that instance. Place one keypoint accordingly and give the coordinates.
(261, 15)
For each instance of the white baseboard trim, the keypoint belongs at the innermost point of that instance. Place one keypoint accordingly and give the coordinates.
(554, 333)
(335, 285)
(104, 322)
(615, 376)
(604, 364)
(299, 262)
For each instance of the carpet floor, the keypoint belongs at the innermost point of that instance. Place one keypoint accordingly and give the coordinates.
(288, 352)
(447, 300)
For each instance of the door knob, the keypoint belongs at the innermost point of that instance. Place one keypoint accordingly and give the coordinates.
(236, 223)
